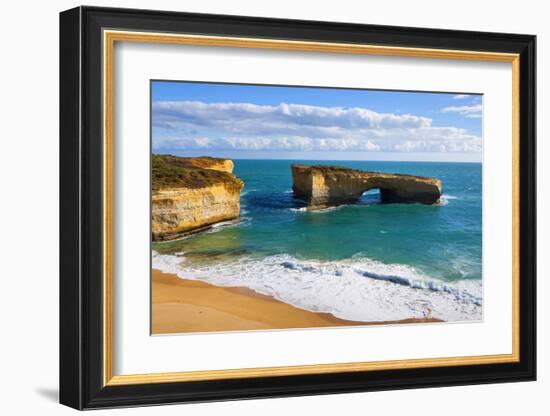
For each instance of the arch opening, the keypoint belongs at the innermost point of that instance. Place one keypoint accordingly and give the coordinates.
(372, 196)
(378, 195)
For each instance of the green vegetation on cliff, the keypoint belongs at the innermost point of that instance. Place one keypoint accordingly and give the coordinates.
(179, 172)
(328, 169)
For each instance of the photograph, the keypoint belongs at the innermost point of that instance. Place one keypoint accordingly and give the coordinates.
(280, 207)
(270, 206)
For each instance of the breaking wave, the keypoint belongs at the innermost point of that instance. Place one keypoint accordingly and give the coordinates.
(358, 289)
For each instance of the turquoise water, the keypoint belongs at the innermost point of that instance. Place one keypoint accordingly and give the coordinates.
(277, 242)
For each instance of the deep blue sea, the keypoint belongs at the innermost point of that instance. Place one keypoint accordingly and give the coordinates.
(367, 261)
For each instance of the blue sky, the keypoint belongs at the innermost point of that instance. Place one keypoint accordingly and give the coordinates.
(258, 121)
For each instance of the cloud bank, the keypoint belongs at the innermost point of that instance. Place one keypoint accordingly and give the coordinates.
(197, 125)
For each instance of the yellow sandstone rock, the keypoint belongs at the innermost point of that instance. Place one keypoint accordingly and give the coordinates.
(192, 194)
(322, 186)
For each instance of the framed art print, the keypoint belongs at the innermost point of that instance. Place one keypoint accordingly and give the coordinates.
(259, 207)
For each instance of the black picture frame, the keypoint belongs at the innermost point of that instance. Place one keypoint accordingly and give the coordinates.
(81, 201)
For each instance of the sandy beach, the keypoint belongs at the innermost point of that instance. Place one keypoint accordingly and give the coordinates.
(181, 306)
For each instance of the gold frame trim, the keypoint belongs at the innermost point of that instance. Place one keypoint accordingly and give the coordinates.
(112, 36)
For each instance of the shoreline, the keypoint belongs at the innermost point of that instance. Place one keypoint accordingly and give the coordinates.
(184, 306)
(201, 230)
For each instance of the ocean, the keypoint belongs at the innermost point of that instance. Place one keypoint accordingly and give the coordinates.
(365, 262)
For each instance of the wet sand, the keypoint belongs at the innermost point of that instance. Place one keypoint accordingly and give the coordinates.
(180, 306)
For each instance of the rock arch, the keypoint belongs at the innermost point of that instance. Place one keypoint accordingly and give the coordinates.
(322, 186)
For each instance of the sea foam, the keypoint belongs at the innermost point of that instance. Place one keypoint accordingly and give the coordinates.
(357, 289)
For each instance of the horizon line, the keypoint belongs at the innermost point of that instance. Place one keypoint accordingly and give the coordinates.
(326, 160)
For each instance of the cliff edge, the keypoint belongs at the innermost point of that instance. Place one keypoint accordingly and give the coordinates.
(192, 194)
(323, 186)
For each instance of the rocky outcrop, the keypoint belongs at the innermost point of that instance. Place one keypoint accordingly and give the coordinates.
(203, 162)
(192, 194)
(324, 186)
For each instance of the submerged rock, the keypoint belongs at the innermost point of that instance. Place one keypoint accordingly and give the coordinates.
(192, 194)
(322, 186)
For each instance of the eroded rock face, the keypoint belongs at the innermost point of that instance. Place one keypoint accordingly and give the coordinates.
(324, 186)
(192, 194)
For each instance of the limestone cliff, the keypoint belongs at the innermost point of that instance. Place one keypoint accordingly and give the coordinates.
(204, 162)
(191, 194)
(323, 186)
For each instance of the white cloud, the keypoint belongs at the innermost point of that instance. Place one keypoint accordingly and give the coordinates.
(465, 110)
(197, 125)
(245, 115)
(460, 96)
